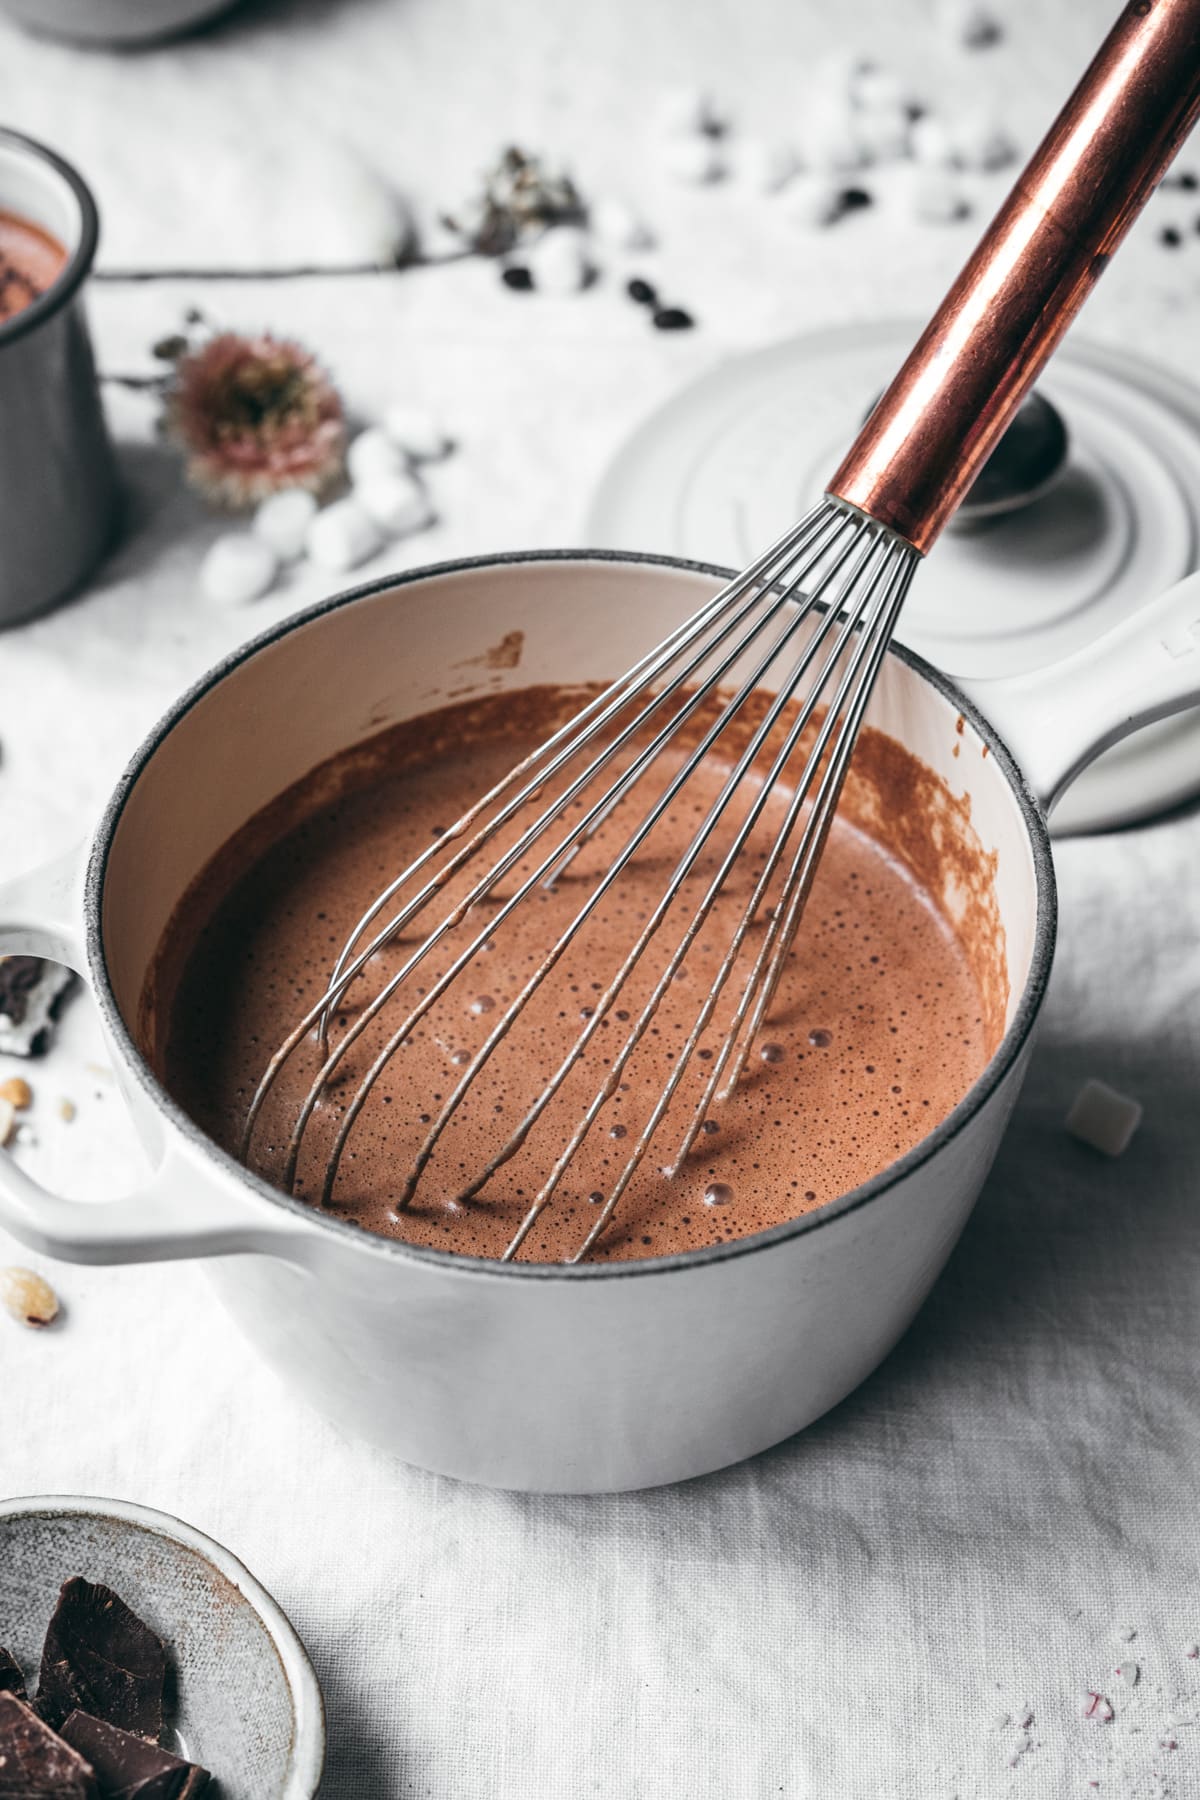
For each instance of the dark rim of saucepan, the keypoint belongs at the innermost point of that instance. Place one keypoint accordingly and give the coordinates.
(369, 1242)
(79, 261)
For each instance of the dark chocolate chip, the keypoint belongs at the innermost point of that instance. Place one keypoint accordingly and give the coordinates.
(12, 1681)
(100, 1657)
(1170, 237)
(517, 277)
(641, 291)
(128, 1768)
(35, 1763)
(851, 199)
(1186, 179)
(673, 318)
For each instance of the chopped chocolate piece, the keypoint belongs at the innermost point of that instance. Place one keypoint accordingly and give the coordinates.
(1171, 237)
(12, 1681)
(642, 291)
(99, 1657)
(853, 199)
(673, 318)
(35, 1764)
(518, 277)
(31, 993)
(128, 1768)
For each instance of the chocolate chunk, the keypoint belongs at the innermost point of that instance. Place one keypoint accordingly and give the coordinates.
(12, 1681)
(128, 1768)
(31, 993)
(99, 1657)
(35, 1764)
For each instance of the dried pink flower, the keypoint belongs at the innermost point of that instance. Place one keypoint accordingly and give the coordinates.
(254, 415)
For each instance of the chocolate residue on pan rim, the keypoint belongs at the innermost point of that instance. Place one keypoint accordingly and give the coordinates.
(905, 806)
(889, 794)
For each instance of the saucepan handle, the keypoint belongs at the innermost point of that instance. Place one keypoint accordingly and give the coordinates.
(183, 1210)
(1059, 719)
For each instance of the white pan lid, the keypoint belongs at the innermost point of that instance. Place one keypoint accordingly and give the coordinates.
(725, 466)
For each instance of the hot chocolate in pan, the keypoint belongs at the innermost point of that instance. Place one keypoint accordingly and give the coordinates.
(891, 1003)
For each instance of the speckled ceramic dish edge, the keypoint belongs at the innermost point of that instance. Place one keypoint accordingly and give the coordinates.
(303, 1759)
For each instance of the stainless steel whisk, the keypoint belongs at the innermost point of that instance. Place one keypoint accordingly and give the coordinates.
(808, 624)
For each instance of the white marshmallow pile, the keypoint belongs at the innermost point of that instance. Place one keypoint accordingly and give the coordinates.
(859, 115)
(387, 500)
(1103, 1118)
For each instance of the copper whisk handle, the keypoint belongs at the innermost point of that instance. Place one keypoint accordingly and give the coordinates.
(942, 416)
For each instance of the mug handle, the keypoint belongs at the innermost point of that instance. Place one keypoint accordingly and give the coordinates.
(176, 1214)
(1059, 719)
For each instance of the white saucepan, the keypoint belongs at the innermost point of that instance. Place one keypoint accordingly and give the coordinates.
(543, 1376)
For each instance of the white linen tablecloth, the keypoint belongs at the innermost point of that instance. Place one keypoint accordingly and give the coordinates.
(915, 1597)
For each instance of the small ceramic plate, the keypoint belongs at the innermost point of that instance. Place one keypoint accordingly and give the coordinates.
(246, 1701)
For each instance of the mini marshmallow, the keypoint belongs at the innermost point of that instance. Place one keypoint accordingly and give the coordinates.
(416, 432)
(981, 143)
(619, 227)
(766, 166)
(343, 535)
(872, 86)
(972, 24)
(694, 159)
(1101, 1117)
(372, 452)
(831, 139)
(282, 521)
(396, 503)
(938, 200)
(815, 202)
(559, 261)
(689, 112)
(237, 568)
(838, 73)
(929, 142)
(883, 132)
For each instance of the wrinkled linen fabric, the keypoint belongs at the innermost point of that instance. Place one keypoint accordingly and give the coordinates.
(914, 1599)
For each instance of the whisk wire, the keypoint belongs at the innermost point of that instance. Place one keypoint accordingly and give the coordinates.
(599, 712)
(804, 545)
(837, 564)
(730, 710)
(884, 575)
(625, 782)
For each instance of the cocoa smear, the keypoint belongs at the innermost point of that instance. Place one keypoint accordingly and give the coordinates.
(892, 1000)
(31, 260)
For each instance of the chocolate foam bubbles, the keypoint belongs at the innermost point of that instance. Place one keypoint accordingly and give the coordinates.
(885, 1015)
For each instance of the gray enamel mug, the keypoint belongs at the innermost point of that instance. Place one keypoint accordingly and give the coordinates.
(543, 1376)
(58, 485)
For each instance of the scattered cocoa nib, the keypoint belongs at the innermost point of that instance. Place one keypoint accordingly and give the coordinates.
(128, 1768)
(100, 1658)
(673, 318)
(35, 1763)
(12, 1681)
